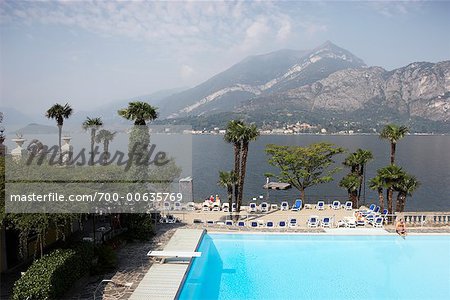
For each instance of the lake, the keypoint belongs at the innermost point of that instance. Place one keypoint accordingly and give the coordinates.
(426, 157)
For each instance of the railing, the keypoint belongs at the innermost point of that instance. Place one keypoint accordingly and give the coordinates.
(426, 218)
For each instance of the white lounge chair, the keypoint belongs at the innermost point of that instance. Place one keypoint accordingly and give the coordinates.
(163, 255)
(350, 222)
(252, 207)
(273, 206)
(226, 207)
(264, 207)
(313, 222)
(320, 205)
(378, 222)
(233, 207)
(284, 205)
(229, 223)
(282, 224)
(326, 222)
(190, 206)
(254, 224)
(293, 222)
(336, 204)
(348, 205)
(166, 205)
(177, 205)
(270, 224)
(205, 206)
(215, 206)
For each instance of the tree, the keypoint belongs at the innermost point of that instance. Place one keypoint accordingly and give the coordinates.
(303, 167)
(93, 124)
(59, 113)
(139, 112)
(405, 187)
(357, 162)
(228, 181)
(352, 183)
(240, 135)
(393, 133)
(390, 176)
(377, 184)
(105, 136)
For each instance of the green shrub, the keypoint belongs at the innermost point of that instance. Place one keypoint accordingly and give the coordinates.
(140, 226)
(50, 276)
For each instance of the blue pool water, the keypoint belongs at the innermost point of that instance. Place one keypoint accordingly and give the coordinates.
(251, 266)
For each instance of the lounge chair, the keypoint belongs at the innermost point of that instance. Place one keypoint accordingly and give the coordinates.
(241, 224)
(376, 210)
(225, 207)
(282, 224)
(233, 207)
(313, 222)
(326, 222)
(205, 207)
(254, 224)
(370, 210)
(190, 206)
(252, 207)
(284, 206)
(348, 205)
(297, 205)
(270, 224)
(293, 222)
(177, 205)
(197, 221)
(264, 207)
(215, 207)
(210, 222)
(320, 205)
(273, 206)
(163, 255)
(350, 222)
(336, 204)
(229, 223)
(166, 205)
(171, 219)
(378, 222)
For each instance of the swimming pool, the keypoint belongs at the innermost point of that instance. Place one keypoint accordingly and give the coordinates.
(278, 266)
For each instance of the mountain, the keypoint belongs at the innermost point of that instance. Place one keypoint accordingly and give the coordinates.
(34, 128)
(259, 75)
(325, 85)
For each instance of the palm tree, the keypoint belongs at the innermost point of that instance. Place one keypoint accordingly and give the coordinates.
(362, 157)
(228, 180)
(393, 133)
(106, 137)
(352, 161)
(405, 187)
(139, 112)
(351, 182)
(93, 124)
(377, 184)
(249, 133)
(233, 136)
(240, 135)
(59, 113)
(390, 176)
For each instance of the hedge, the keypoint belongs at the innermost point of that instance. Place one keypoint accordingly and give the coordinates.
(51, 276)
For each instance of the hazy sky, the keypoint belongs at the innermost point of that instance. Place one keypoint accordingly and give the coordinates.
(89, 53)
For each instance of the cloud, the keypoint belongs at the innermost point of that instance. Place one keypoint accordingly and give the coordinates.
(395, 8)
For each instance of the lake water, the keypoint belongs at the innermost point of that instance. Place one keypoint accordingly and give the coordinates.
(426, 157)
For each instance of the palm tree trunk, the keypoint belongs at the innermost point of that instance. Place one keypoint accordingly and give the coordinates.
(59, 141)
(230, 199)
(105, 151)
(302, 194)
(401, 201)
(361, 178)
(381, 199)
(91, 160)
(237, 163)
(390, 192)
(393, 146)
(403, 204)
(243, 170)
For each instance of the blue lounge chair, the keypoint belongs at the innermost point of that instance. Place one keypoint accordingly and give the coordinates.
(284, 206)
(336, 204)
(348, 205)
(378, 222)
(376, 210)
(370, 210)
(297, 205)
(252, 207)
(320, 205)
(282, 224)
(313, 221)
(293, 222)
(326, 222)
